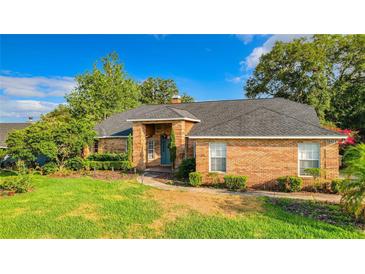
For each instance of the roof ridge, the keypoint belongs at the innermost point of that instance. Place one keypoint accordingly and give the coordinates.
(174, 110)
(224, 100)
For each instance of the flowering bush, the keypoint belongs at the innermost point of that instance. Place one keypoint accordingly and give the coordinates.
(351, 137)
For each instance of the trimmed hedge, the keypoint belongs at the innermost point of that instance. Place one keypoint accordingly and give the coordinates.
(109, 165)
(195, 178)
(107, 157)
(289, 183)
(76, 163)
(186, 166)
(235, 182)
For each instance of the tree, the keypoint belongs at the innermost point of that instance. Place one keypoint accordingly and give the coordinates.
(61, 112)
(325, 71)
(172, 148)
(160, 91)
(185, 98)
(353, 192)
(55, 139)
(103, 92)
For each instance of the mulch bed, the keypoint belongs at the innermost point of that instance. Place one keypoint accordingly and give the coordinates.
(326, 212)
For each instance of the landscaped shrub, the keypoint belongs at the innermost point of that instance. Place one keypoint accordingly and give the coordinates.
(289, 183)
(186, 166)
(322, 186)
(315, 172)
(76, 163)
(107, 157)
(19, 184)
(235, 182)
(49, 168)
(195, 178)
(336, 185)
(214, 178)
(109, 165)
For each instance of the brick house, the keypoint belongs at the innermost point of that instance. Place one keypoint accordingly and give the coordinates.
(260, 138)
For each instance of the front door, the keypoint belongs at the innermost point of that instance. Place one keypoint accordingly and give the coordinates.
(165, 152)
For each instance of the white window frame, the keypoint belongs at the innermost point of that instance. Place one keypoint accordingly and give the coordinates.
(210, 164)
(150, 151)
(299, 159)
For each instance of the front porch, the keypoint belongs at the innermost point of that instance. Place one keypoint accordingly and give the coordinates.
(151, 143)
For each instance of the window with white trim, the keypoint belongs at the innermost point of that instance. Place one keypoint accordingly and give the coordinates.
(308, 155)
(150, 149)
(217, 154)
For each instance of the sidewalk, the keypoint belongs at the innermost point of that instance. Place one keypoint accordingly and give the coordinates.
(332, 198)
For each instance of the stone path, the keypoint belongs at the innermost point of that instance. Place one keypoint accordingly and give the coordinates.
(148, 179)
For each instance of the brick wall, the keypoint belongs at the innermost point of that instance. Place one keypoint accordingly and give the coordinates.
(265, 160)
(112, 145)
(142, 132)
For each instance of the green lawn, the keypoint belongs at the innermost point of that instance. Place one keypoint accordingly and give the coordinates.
(89, 208)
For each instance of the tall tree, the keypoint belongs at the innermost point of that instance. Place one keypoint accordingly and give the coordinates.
(54, 138)
(325, 71)
(103, 91)
(160, 91)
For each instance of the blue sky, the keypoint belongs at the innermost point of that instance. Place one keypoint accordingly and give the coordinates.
(37, 70)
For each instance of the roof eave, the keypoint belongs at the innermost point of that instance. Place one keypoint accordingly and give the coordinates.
(269, 137)
(110, 137)
(164, 119)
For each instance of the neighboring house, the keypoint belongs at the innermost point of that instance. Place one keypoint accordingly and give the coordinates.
(260, 138)
(6, 128)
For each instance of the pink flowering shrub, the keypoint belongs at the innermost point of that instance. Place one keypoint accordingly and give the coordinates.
(351, 137)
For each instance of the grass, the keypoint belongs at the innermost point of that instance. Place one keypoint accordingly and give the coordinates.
(89, 208)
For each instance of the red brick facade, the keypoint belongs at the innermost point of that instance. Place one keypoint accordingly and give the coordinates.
(112, 145)
(142, 132)
(261, 160)
(265, 160)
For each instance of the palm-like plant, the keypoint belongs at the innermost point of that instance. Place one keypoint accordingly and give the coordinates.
(353, 191)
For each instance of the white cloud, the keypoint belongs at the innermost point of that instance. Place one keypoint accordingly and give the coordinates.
(160, 36)
(36, 86)
(253, 59)
(24, 108)
(245, 38)
(235, 79)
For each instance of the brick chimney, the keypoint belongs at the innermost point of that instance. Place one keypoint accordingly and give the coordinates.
(176, 99)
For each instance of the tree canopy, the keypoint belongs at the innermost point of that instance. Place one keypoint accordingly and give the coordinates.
(103, 91)
(325, 71)
(55, 139)
(160, 91)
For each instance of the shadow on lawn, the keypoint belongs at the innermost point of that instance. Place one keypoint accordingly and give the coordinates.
(6, 173)
(331, 214)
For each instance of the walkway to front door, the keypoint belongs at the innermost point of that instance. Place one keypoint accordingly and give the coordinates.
(165, 152)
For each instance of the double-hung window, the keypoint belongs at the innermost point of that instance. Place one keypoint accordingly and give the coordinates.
(150, 149)
(217, 154)
(308, 157)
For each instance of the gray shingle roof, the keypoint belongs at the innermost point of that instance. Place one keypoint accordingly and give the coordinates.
(6, 128)
(162, 112)
(250, 117)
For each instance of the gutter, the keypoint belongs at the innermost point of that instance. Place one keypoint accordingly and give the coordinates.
(163, 119)
(268, 137)
(110, 137)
